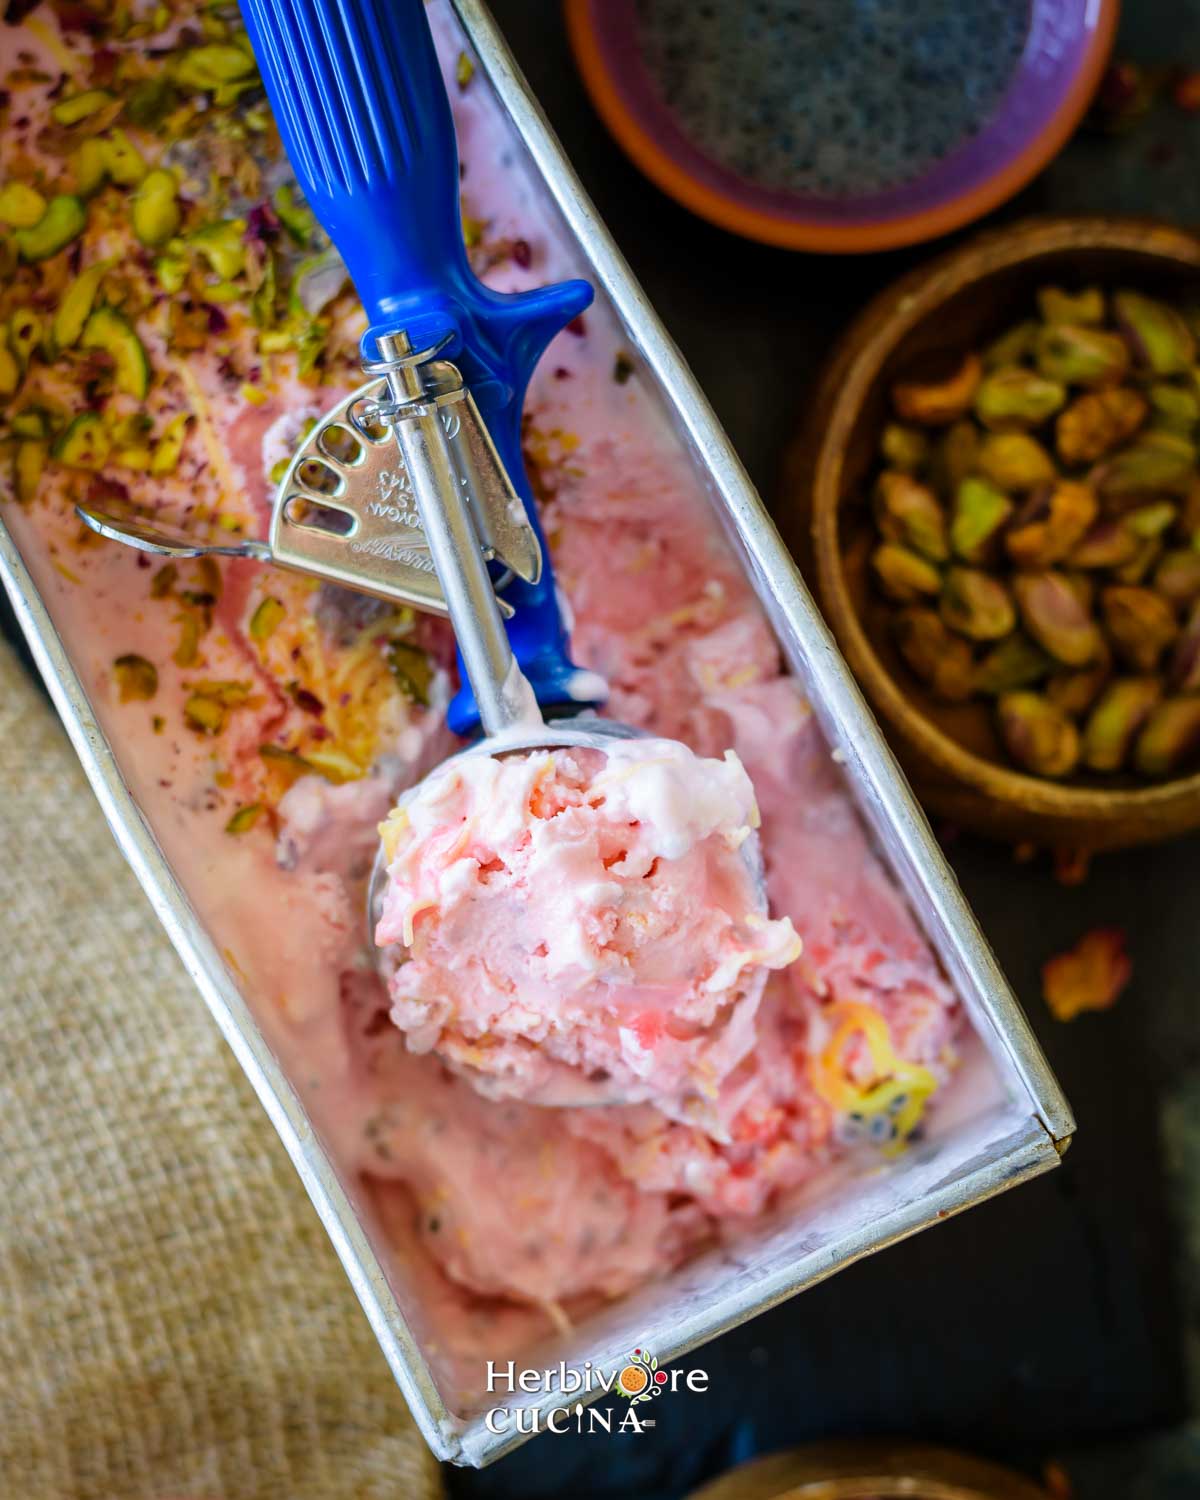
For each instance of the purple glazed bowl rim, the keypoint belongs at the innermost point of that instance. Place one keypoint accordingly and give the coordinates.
(1060, 67)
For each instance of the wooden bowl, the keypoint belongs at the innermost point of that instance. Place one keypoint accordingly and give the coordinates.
(960, 301)
(870, 1470)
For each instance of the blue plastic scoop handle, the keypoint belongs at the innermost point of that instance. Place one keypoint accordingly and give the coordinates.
(363, 114)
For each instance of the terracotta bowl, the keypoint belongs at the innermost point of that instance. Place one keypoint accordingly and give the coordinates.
(960, 301)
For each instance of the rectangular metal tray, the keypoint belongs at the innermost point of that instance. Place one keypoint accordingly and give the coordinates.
(972, 1151)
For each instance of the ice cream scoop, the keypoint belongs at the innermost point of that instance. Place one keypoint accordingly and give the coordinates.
(363, 114)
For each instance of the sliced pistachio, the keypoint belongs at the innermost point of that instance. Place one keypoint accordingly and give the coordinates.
(908, 512)
(223, 246)
(266, 619)
(903, 575)
(1158, 338)
(412, 670)
(1013, 398)
(980, 513)
(1054, 616)
(24, 333)
(76, 305)
(204, 714)
(1086, 307)
(1016, 462)
(89, 167)
(135, 677)
(244, 819)
(1016, 662)
(171, 272)
(205, 70)
(1097, 422)
(20, 205)
(1050, 524)
(1075, 355)
(167, 450)
(1113, 724)
(84, 443)
(29, 423)
(156, 213)
(29, 462)
(1140, 624)
(904, 448)
(938, 403)
(976, 605)
(1170, 739)
(108, 330)
(64, 220)
(76, 107)
(295, 216)
(122, 159)
(1038, 736)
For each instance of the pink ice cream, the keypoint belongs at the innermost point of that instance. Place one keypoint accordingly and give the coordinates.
(581, 926)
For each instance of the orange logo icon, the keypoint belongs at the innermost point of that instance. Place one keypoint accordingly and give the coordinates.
(641, 1378)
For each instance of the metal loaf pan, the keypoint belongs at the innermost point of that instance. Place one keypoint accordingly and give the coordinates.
(1005, 1119)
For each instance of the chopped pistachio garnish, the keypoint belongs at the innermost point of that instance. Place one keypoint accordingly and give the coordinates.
(190, 630)
(76, 305)
(412, 670)
(76, 107)
(24, 333)
(29, 461)
(265, 619)
(111, 331)
(223, 246)
(89, 164)
(156, 213)
(64, 220)
(204, 714)
(122, 159)
(295, 216)
(167, 450)
(163, 581)
(245, 818)
(464, 70)
(85, 443)
(21, 205)
(135, 677)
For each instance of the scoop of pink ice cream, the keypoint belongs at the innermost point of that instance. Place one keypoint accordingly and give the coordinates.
(582, 925)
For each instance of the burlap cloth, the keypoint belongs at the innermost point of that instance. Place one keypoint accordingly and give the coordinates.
(173, 1321)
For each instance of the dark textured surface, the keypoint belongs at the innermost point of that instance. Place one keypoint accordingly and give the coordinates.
(1045, 1323)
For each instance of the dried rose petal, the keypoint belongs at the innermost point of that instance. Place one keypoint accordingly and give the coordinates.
(1089, 976)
